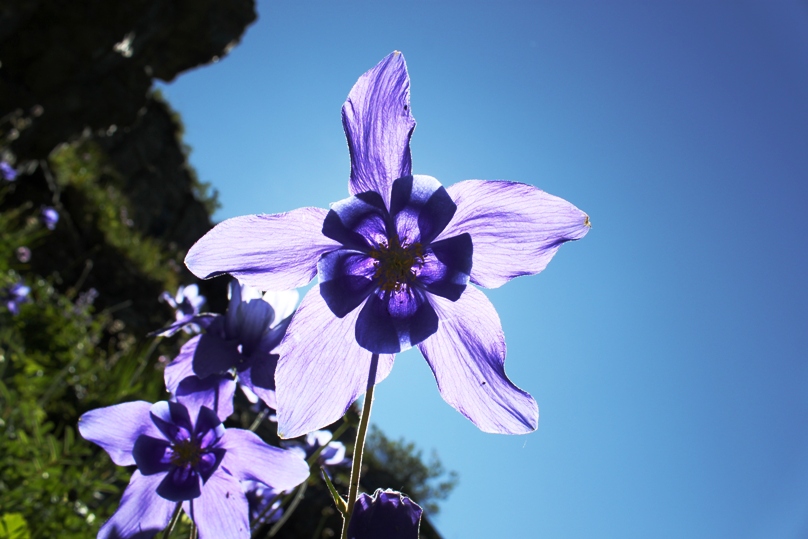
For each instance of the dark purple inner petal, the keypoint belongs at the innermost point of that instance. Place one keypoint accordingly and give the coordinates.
(151, 455)
(214, 355)
(395, 320)
(209, 461)
(346, 279)
(209, 427)
(421, 208)
(172, 419)
(255, 316)
(262, 373)
(447, 266)
(180, 483)
(358, 222)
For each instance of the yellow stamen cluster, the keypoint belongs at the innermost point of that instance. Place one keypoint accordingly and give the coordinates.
(394, 263)
(186, 452)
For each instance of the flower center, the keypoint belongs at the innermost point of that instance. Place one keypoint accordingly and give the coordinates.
(396, 263)
(186, 453)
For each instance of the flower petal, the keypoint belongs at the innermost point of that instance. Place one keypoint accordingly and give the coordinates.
(248, 457)
(283, 303)
(152, 455)
(222, 509)
(516, 228)
(467, 356)
(142, 512)
(346, 279)
(172, 419)
(259, 378)
(269, 252)
(447, 266)
(421, 208)
(378, 125)
(182, 366)
(321, 369)
(213, 355)
(394, 321)
(179, 484)
(215, 392)
(117, 428)
(358, 222)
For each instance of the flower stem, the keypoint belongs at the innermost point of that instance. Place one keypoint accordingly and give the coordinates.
(359, 446)
(174, 519)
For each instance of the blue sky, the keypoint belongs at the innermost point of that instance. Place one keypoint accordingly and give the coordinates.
(668, 350)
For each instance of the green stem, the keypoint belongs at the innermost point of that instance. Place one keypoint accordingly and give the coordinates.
(194, 531)
(359, 446)
(174, 519)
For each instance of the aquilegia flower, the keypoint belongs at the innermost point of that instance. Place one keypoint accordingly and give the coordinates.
(7, 172)
(186, 304)
(196, 462)
(14, 296)
(50, 217)
(240, 342)
(332, 453)
(386, 514)
(394, 263)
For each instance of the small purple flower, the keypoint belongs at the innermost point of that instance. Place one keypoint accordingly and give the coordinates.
(49, 217)
(7, 171)
(187, 304)
(385, 515)
(14, 296)
(333, 453)
(241, 342)
(197, 463)
(396, 263)
(23, 254)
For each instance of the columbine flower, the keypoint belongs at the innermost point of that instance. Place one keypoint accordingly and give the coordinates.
(242, 342)
(186, 304)
(49, 217)
(14, 296)
(7, 171)
(259, 497)
(394, 262)
(198, 463)
(385, 515)
(332, 454)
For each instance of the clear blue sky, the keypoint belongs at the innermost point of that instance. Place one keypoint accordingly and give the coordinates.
(668, 350)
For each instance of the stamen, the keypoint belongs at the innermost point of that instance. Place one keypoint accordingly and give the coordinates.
(396, 263)
(186, 452)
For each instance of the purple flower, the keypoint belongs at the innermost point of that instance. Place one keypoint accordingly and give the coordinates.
(333, 453)
(7, 171)
(197, 463)
(186, 304)
(49, 217)
(385, 515)
(394, 263)
(23, 254)
(14, 296)
(241, 342)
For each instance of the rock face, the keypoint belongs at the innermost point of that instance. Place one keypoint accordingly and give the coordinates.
(68, 65)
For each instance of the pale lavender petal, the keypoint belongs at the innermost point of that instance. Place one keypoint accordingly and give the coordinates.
(322, 369)
(269, 252)
(248, 457)
(467, 356)
(394, 321)
(515, 228)
(378, 125)
(222, 510)
(182, 366)
(116, 429)
(421, 208)
(283, 302)
(142, 512)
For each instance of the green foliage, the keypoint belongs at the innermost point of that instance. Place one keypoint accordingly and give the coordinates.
(13, 526)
